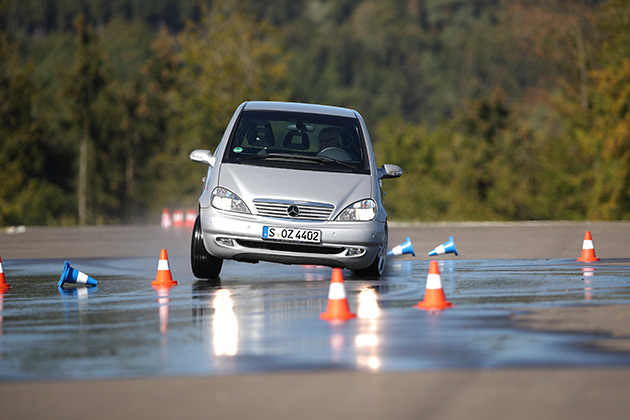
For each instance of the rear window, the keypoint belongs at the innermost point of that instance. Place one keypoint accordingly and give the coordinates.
(298, 141)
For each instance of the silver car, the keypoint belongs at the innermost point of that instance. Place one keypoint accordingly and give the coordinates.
(292, 183)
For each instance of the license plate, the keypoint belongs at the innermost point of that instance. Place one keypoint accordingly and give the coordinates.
(293, 235)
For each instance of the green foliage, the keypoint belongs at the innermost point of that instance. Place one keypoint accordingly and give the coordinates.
(26, 195)
(481, 166)
(609, 129)
(223, 59)
(226, 58)
(87, 80)
(496, 110)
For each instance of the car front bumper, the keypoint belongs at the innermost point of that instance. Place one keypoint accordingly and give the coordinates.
(235, 236)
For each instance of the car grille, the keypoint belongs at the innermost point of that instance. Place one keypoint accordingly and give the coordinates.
(287, 209)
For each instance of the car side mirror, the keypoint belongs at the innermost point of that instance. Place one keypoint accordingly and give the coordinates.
(203, 156)
(389, 171)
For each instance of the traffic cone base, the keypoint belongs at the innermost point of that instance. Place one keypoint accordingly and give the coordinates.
(337, 309)
(163, 277)
(434, 299)
(588, 250)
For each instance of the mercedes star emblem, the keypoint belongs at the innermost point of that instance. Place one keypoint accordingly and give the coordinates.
(293, 211)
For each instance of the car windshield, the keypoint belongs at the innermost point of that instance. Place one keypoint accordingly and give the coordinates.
(298, 141)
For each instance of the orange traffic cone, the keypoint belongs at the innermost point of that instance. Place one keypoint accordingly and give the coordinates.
(166, 221)
(3, 285)
(588, 251)
(191, 216)
(163, 277)
(338, 309)
(434, 294)
(178, 218)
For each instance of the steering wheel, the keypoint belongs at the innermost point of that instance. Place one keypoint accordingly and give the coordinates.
(335, 153)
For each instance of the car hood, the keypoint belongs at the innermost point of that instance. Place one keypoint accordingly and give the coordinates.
(258, 182)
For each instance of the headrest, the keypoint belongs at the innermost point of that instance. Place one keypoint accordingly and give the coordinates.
(261, 135)
(296, 140)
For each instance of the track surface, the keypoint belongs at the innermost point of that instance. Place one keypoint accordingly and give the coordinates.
(373, 369)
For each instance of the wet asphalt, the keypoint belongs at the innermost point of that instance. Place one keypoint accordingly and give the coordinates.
(264, 319)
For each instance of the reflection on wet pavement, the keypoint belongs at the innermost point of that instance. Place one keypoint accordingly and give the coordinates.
(265, 317)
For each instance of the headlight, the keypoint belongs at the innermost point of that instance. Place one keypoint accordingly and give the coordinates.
(362, 211)
(224, 199)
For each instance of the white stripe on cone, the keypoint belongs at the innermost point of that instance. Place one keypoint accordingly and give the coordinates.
(397, 250)
(588, 244)
(434, 281)
(337, 291)
(82, 278)
(163, 265)
(440, 249)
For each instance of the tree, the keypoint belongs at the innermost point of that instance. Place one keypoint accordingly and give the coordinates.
(85, 85)
(225, 58)
(608, 129)
(561, 33)
(147, 126)
(425, 192)
(27, 194)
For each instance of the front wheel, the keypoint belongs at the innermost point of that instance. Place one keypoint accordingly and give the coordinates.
(377, 268)
(204, 265)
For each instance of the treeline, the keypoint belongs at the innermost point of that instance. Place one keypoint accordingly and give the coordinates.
(495, 109)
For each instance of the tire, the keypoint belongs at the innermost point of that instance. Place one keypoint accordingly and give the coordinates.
(377, 268)
(204, 265)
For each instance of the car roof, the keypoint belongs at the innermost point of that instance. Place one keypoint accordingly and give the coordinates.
(299, 107)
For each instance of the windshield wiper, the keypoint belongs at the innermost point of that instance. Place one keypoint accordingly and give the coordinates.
(275, 156)
(324, 159)
(320, 160)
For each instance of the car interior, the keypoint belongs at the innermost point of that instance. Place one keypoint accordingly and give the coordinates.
(334, 140)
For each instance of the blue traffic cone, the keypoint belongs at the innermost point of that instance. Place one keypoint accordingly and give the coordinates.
(70, 275)
(446, 248)
(402, 249)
